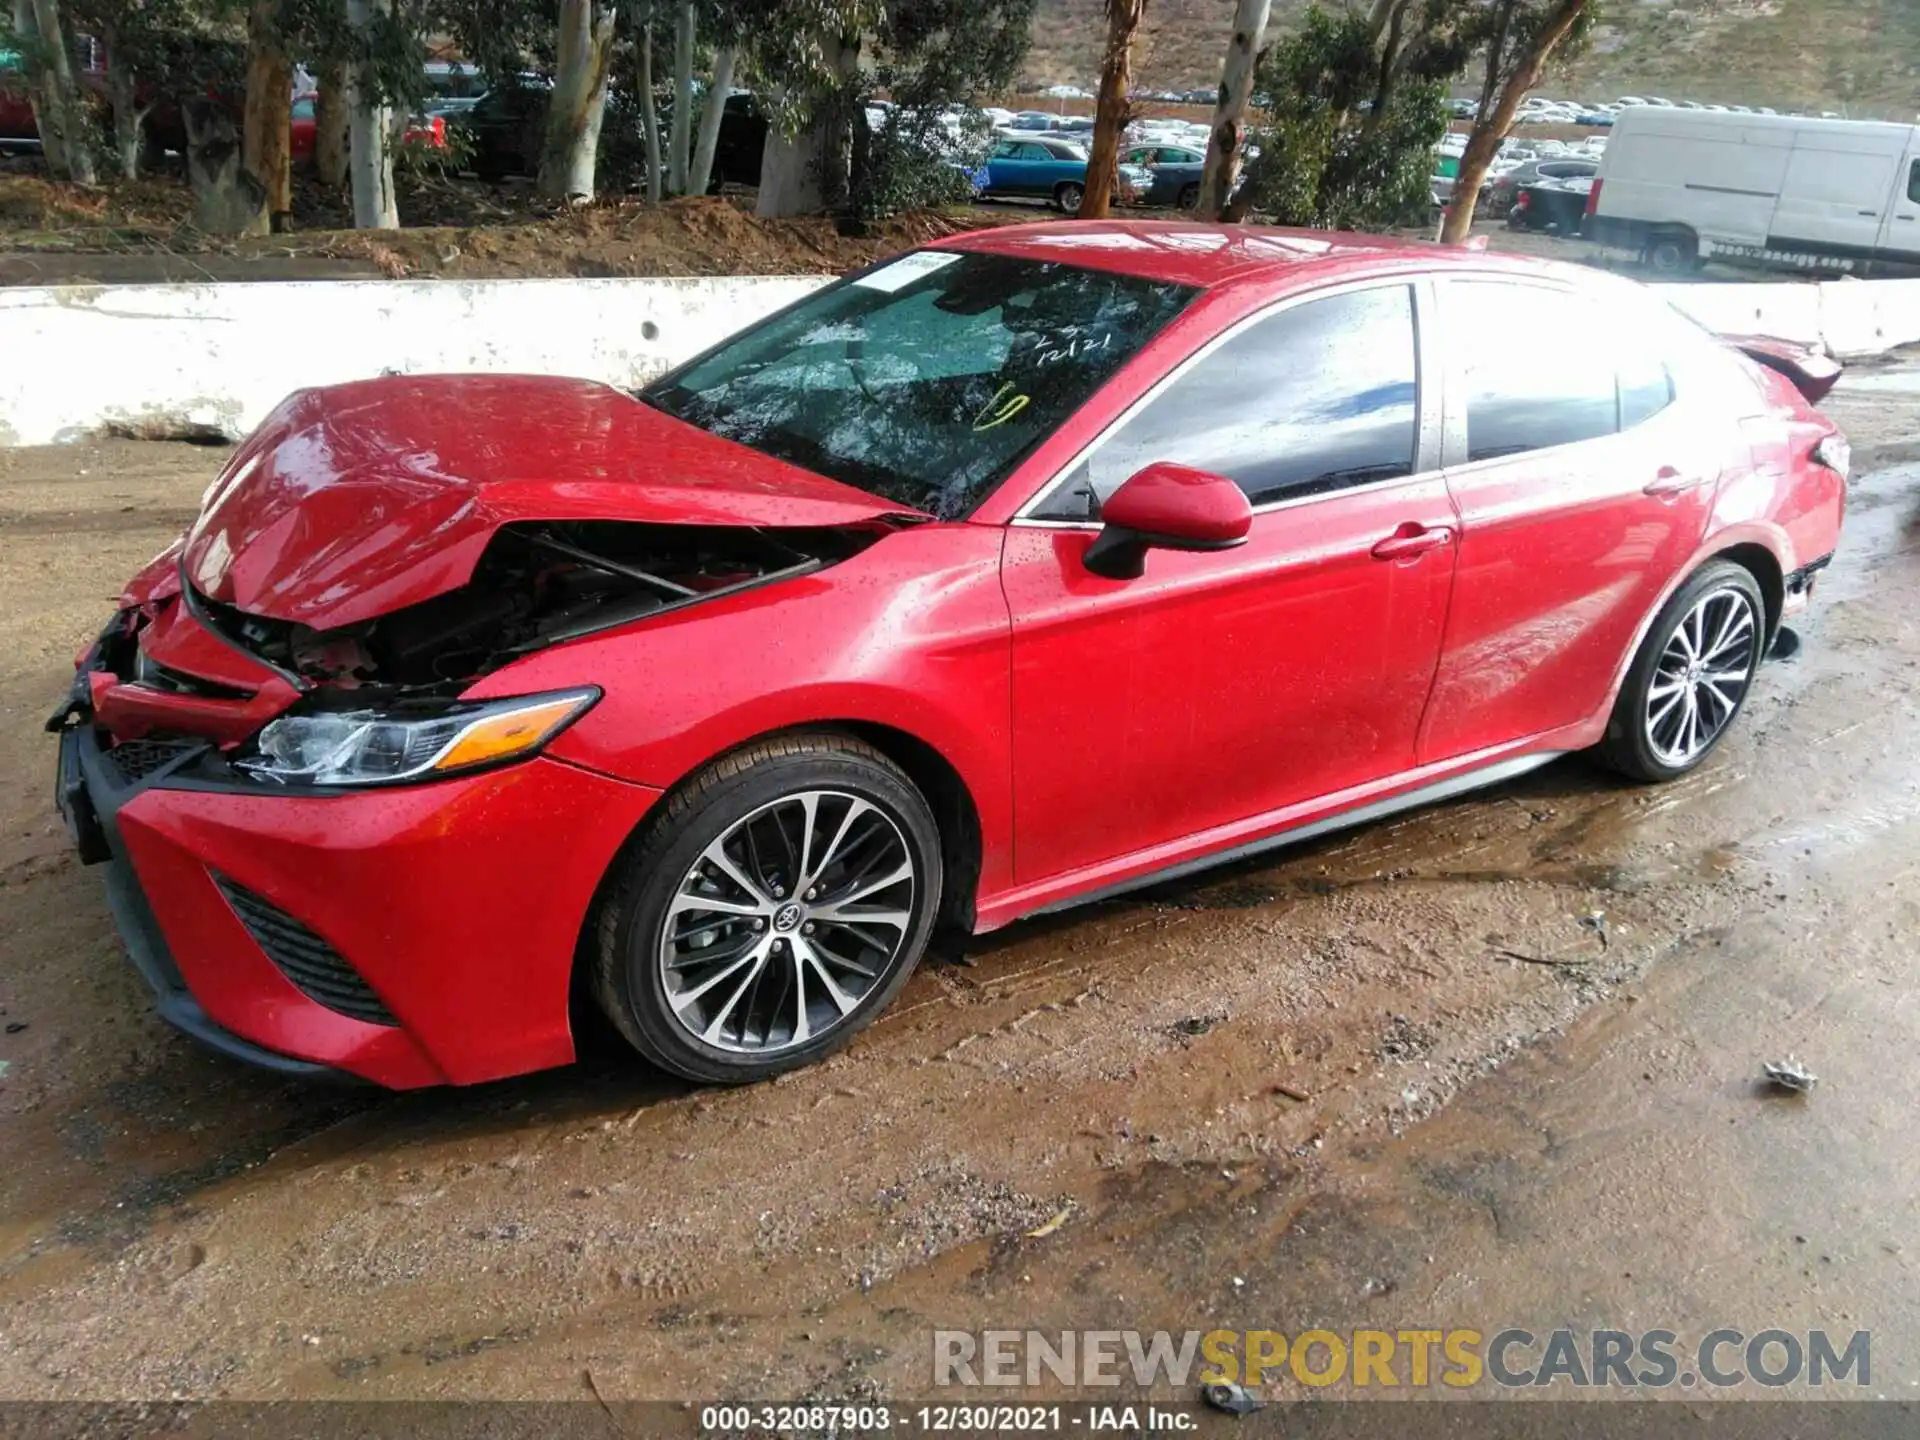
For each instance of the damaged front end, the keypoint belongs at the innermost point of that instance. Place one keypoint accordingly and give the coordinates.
(179, 678)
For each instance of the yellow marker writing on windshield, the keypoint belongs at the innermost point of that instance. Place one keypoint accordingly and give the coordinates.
(999, 410)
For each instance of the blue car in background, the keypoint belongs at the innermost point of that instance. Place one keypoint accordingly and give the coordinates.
(1043, 168)
(1175, 173)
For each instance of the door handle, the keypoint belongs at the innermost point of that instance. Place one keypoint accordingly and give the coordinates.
(1412, 539)
(1670, 482)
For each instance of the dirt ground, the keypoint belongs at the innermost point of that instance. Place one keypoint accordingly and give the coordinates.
(1389, 1078)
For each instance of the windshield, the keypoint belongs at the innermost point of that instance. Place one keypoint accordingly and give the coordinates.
(926, 380)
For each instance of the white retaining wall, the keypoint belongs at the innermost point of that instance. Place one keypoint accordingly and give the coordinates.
(169, 359)
(173, 359)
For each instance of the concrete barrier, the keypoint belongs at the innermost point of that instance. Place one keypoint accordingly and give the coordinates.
(214, 359)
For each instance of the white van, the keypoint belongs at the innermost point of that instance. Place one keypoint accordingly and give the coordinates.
(1680, 185)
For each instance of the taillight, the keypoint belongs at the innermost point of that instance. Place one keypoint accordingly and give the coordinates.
(439, 130)
(1523, 201)
(1836, 454)
(1593, 199)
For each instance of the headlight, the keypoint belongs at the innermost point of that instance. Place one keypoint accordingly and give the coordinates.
(374, 747)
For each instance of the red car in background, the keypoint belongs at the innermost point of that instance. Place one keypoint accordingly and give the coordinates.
(1049, 562)
(425, 130)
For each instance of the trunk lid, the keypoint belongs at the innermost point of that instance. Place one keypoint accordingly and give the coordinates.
(355, 500)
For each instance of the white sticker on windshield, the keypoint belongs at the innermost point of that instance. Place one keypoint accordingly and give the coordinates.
(899, 274)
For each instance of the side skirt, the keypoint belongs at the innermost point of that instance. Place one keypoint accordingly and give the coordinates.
(1461, 784)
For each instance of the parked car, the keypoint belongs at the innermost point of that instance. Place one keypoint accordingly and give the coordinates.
(1034, 120)
(427, 131)
(1556, 206)
(218, 64)
(18, 128)
(507, 128)
(1680, 185)
(1056, 170)
(468, 698)
(1174, 173)
(1503, 188)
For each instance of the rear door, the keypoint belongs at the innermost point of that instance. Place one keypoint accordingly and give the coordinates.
(1582, 485)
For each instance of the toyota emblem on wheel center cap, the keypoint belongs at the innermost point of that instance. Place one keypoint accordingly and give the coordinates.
(787, 917)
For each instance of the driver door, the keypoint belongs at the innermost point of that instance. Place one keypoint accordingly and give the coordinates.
(1221, 687)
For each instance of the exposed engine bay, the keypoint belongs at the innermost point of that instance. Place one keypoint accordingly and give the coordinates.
(537, 585)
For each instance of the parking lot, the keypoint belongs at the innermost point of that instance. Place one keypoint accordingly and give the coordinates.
(1491, 1063)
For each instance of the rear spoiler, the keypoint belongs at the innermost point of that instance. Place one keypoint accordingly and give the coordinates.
(1813, 372)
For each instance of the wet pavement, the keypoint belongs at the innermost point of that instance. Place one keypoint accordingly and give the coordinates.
(1395, 1079)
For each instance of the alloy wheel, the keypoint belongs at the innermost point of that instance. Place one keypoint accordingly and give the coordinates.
(787, 922)
(1702, 676)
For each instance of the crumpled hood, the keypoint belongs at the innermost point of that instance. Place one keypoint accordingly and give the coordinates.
(355, 500)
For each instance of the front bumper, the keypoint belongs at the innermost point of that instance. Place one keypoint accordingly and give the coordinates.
(459, 904)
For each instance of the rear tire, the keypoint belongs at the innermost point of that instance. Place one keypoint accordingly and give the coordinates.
(744, 936)
(1672, 252)
(1189, 197)
(1691, 676)
(1067, 197)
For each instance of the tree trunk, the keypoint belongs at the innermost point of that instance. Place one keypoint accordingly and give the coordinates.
(1489, 130)
(641, 18)
(46, 124)
(583, 52)
(679, 141)
(1230, 109)
(700, 175)
(332, 122)
(228, 199)
(266, 143)
(59, 112)
(369, 141)
(789, 175)
(798, 176)
(1390, 42)
(129, 120)
(1110, 111)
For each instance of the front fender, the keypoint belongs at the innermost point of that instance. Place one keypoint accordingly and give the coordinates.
(911, 634)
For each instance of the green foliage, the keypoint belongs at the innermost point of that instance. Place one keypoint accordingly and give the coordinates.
(904, 167)
(1332, 156)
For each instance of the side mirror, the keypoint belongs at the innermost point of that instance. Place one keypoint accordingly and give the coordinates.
(1167, 507)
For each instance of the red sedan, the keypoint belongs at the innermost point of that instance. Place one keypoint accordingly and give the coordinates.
(303, 130)
(1045, 563)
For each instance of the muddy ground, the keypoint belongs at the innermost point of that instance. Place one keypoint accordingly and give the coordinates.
(1325, 1088)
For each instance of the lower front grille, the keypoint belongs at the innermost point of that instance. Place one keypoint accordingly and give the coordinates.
(134, 760)
(319, 971)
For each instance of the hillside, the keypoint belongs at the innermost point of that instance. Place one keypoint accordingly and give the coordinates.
(1861, 57)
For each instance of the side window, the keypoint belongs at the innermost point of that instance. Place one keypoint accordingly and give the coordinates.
(1913, 182)
(1530, 381)
(1645, 387)
(1005, 150)
(1320, 397)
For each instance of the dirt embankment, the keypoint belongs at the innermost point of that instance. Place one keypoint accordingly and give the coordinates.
(461, 230)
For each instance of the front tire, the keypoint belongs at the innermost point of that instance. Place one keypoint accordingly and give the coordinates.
(1691, 676)
(775, 908)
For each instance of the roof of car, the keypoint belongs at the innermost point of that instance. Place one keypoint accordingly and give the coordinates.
(1189, 253)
